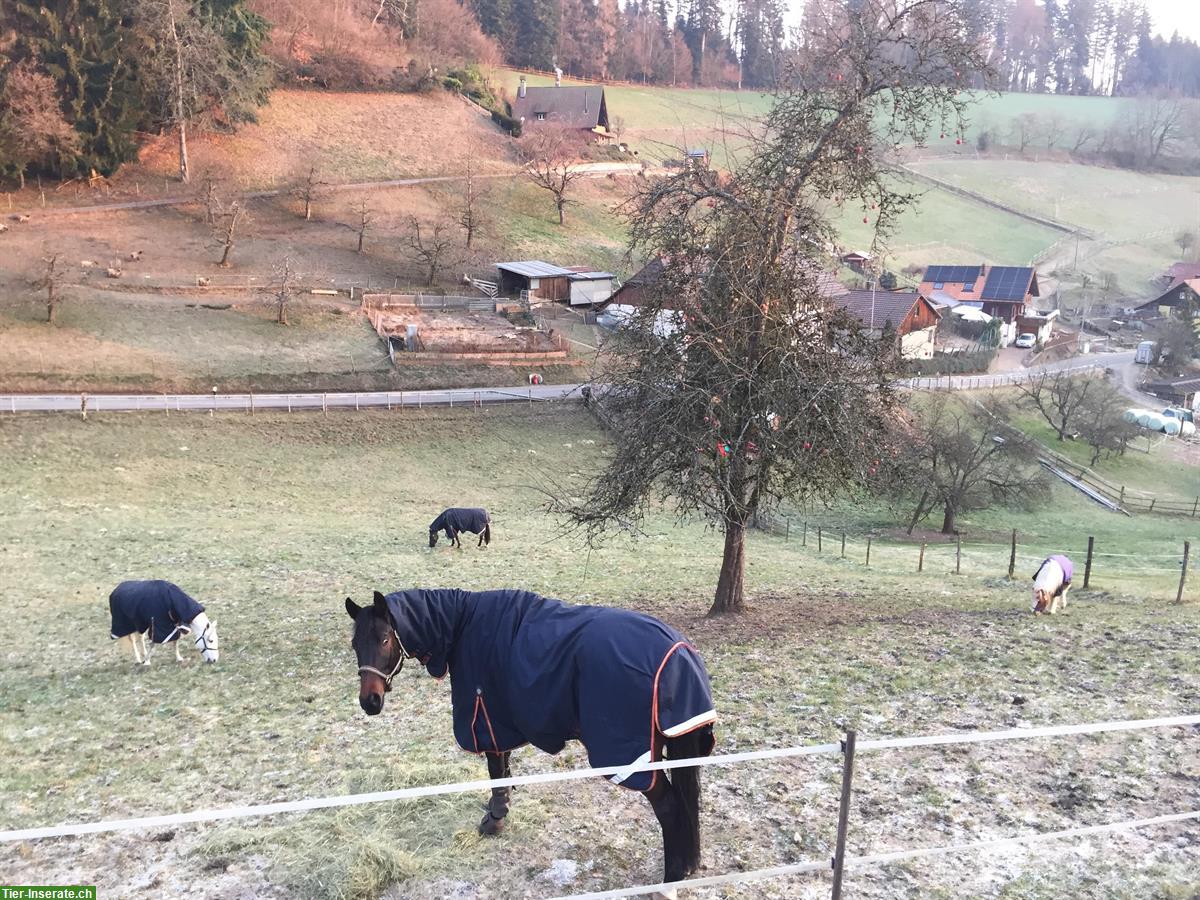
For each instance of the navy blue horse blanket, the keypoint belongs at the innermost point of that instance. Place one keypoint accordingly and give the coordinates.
(456, 520)
(156, 607)
(526, 669)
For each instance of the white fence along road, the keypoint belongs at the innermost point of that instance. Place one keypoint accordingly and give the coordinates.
(15, 403)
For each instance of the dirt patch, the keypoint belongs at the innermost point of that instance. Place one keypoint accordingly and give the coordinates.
(461, 331)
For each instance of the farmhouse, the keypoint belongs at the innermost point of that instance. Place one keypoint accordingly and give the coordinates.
(1183, 293)
(1000, 291)
(1183, 391)
(584, 108)
(1180, 271)
(910, 315)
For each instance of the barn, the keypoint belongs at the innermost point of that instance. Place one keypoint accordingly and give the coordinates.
(584, 108)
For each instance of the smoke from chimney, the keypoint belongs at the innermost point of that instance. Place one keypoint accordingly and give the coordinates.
(557, 77)
(521, 88)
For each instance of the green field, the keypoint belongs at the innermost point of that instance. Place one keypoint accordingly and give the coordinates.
(272, 520)
(1135, 215)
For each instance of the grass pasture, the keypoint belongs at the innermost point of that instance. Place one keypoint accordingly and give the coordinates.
(272, 520)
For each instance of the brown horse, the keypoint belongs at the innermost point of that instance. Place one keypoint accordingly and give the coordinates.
(530, 669)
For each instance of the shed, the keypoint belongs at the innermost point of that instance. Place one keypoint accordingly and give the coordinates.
(590, 288)
(1183, 391)
(542, 280)
(856, 261)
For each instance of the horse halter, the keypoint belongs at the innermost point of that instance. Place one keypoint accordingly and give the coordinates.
(202, 642)
(386, 676)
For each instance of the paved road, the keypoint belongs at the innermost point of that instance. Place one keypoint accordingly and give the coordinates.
(15, 403)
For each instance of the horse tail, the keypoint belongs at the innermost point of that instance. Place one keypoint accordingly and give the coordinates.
(487, 533)
(686, 781)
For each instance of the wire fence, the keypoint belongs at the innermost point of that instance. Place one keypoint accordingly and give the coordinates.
(1153, 567)
(847, 748)
(985, 382)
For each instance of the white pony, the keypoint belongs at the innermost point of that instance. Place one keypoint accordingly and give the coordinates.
(1050, 584)
(165, 613)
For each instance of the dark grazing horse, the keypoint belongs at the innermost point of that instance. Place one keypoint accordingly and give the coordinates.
(456, 520)
(526, 669)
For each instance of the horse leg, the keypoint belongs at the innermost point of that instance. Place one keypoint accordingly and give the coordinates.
(145, 660)
(686, 781)
(497, 808)
(178, 658)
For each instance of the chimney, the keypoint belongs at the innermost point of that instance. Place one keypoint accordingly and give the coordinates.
(557, 77)
(521, 88)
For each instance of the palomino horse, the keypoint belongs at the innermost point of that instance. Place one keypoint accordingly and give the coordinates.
(1050, 583)
(456, 520)
(165, 613)
(526, 669)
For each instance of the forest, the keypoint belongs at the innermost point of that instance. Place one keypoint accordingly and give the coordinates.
(79, 79)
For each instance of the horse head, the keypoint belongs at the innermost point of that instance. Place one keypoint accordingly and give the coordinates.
(1041, 599)
(204, 636)
(378, 649)
(433, 537)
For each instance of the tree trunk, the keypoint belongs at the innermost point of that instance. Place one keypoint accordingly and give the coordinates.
(360, 242)
(730, 597)
(918, 512)
(225, 256)
(283, 320)
(180, 112)
(560, 203)
(21, 177)
(307, 209)
(51, 306)
(948, 519)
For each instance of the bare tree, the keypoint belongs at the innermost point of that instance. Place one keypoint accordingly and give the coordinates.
(1185, 240)
(50, 281)
(1101, 424)
(1083, 135)
(430, 247)
(209, 198)
(33, 129)
(1024, 130)
(285, 288)
(308, 190)
(471, 214)
(737, 386)
(366, 218)
(1060, 398)
(550, 154)
(962, 456)
(230, 219)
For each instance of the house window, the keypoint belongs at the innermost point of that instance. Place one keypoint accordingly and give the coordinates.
(969, 287)
(938, 285)
(541, 117)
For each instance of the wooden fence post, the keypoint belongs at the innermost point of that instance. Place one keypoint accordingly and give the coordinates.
(787, 529)
(325, 405)
(921, 558)
(843, 545)
(1152, 499)
(868, 553)
(1012, 555)
(839, 853)
(1121, 501)
(958, 554)
(1187, 550)
(804, 535)
(818, 539)
(1087, 568)
(1194, 505)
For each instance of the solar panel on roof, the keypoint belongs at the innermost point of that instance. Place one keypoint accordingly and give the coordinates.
(1007, 283)
(951, 274)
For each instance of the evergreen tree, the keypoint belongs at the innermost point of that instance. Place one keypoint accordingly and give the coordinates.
(536, 33)
(86, 47)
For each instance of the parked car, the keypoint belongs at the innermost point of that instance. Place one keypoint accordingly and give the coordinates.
(1026, 341)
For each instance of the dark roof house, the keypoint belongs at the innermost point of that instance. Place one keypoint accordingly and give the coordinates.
(583, 107)
(1181, 293)
(906, 310)
(1180, 271)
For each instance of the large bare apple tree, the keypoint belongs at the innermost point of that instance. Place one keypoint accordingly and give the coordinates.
(737, 386)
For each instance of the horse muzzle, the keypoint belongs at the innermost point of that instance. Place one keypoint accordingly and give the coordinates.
(372, 703)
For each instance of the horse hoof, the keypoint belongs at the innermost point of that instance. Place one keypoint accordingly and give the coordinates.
(489, 825)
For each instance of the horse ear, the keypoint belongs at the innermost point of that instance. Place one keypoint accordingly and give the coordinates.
(381, 603)
(352, 608)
